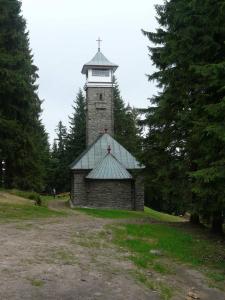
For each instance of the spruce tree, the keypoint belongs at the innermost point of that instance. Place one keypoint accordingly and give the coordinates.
(209, 112)
(186, 122)
(59, 169)
(23, 141)
(119, 114)
(126, 129)
(76, 143)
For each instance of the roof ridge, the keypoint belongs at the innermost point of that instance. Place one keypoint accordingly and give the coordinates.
(97, 151)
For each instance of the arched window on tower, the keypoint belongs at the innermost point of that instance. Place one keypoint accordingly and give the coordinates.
(100, 97)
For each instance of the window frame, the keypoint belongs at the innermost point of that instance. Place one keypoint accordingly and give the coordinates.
(100, 72)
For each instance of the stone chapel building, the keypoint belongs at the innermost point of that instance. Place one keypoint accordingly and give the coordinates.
(105, 175)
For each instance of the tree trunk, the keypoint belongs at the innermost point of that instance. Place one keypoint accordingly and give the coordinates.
(217, 223)
(194, 219)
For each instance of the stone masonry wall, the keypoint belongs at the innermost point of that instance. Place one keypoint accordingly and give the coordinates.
(124, 194)
(99, 115)
(110, 194)
(78, 190)
(139, 193)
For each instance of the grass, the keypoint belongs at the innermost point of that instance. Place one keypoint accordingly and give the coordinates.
(110, 213)
(123, 214)
(45, 199)
(15, 208)
(177, 244)
(166, 292)
(25, 194)
(25, 212)
(156, 215)
(41, 199)
(172, 243)
(37, 282)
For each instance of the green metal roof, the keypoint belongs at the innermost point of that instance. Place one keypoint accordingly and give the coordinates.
(109, 168)
(95, 153)
(99, 60)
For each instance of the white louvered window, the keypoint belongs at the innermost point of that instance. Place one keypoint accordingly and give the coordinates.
(100, 72)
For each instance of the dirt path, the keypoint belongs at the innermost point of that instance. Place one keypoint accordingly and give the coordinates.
(61, 259)
(68, 258)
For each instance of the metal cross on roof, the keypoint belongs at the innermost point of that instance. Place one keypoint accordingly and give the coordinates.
(109, 149)
(99, 43)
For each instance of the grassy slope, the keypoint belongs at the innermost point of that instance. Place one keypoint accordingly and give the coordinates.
(18, 208)
(123, 214)
(173, 242)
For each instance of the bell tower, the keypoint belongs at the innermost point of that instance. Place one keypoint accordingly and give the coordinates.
(99, 96)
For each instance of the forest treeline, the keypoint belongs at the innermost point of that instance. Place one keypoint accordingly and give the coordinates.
(183, 141)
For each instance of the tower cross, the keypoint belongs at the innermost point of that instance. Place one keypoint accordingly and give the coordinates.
(99, 43)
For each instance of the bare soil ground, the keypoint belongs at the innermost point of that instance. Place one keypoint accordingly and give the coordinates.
(69, 258)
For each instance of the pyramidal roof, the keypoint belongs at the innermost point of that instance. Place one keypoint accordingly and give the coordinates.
(109, 168)
(95, 153)
(99, 60)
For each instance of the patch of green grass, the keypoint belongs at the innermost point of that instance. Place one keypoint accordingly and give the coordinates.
(149, 261)
(37, 282)
(25, 212)
(110, 213)
(166, 292)
(173, 243)
(39, 199)
(142, 261)
(218, 277)
(162, 216)
(45, 199)
(162, 268)
(124, 214)
(26, 194)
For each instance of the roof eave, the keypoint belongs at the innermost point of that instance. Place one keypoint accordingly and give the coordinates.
(86, 67)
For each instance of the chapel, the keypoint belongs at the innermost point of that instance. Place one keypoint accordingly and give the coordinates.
(105, 175)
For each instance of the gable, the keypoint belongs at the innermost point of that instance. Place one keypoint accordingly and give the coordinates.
(109, 168)
(98, 150)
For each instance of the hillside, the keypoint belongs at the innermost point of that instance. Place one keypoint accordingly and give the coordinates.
(150, 255)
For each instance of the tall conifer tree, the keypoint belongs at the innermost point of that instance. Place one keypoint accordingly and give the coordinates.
(126, 130)
(186, 124)
(59, 169)
(76, 143)
(23, 141)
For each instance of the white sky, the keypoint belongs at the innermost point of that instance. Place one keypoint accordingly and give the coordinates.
(63, 37)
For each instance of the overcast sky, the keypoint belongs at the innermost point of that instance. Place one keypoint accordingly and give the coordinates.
(63, 37)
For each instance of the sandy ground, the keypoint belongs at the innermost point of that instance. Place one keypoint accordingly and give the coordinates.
(68, 258)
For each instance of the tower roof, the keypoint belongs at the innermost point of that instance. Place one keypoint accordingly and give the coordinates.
(99, 60)
(109, 168)
(94, 154)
